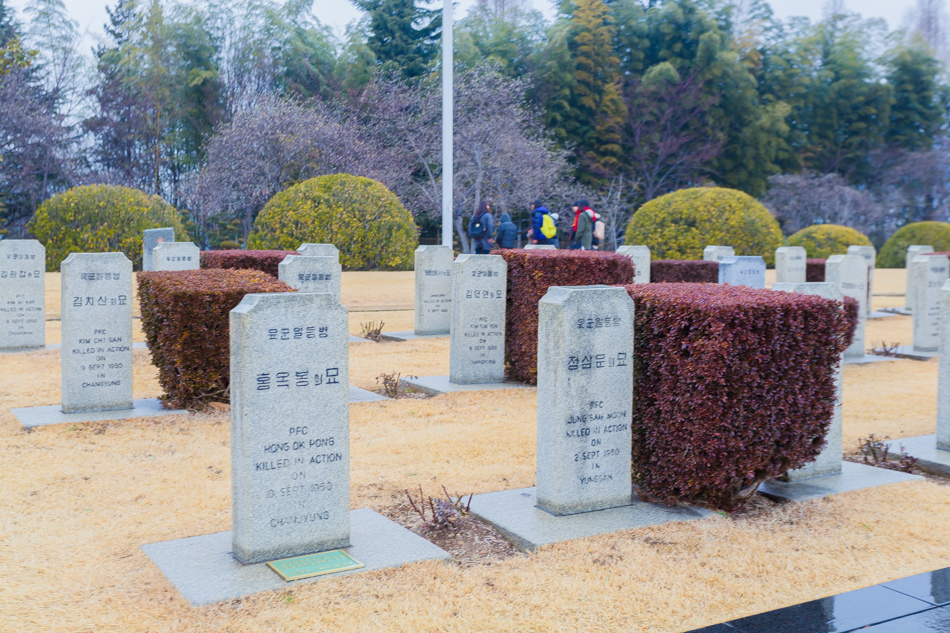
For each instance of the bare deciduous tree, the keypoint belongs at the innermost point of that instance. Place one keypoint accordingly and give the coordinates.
(801, 200)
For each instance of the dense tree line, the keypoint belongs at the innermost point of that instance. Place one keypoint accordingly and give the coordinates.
(218, 105)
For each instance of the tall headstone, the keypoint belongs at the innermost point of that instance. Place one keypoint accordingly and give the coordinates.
(152, 238)
(540, 247)
(929, 274)
(477, 342)
(943, 372)
(828, 461)
(176, 256)
(912, 252)
(641, 262)
(790, 264)
(870, 257)
(319, 250)
(22, 294)
(743, 271)
(433, 268)
(585, 399)
(850, 274)
(713, 253)
(290, 429)
(311, 274)
(97, 332)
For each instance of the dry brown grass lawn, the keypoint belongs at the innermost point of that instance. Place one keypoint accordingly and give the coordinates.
(80, 500)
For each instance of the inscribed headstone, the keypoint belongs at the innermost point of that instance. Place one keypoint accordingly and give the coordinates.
(97, 332)
(176, 256)
(433, 269)
(319, 250)
(641, 262)
(311, 274)
(152, 238)
(743, 271)
(290, 473)
(540, 247)
(912, 252)
(22, 294)
(790, 264)
(870, 256)
(477, 343)
(850, 274)
(943, 372)
(585, 399)
(929, 274)
(714, 253)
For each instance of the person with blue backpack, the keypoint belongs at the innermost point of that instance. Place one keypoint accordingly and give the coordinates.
(543, 227)
(481, 228)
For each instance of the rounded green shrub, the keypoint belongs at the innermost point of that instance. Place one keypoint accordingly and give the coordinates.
(101, 219)
(681, 224)
(821, 241)
(894, 252)
(364, 219)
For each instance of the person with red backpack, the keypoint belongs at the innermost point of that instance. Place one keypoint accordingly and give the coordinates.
(481, 228)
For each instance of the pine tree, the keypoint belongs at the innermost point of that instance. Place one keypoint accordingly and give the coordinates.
(916, 114)
(403, 35)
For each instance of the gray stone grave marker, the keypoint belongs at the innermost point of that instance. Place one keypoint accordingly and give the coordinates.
(641, 262)
(22, 294)
(152, 238)
(433, 270)
(929, 274)
(912, 252)
(477, 341)
(585, 399)
(311, 274)
(540, 247)
(176, 256)
(319, 250)
(870, 257)
(743, 271)
(943, 372)
(290, 491)
(850, 274)
(96, 355)
(790, 264)
(713, 253)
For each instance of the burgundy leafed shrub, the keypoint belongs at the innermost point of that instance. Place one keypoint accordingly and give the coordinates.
(186, 323)
(684, 270)
(530, 274)
(851, 314)
(264, 261)
(814, 270)
(732, 387)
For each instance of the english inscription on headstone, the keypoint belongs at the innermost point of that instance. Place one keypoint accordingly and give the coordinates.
(290, 446)
(176, 256)
(790, 264)
(97, 332)
(477, 342)
(943, 372)
(743, 271)
(22, 294)
(641, 262)
(930, 272)
(912, 252)
(433, 270)
(585, 399)
(870, 257)
(152, 238)
(850, 274)
(319, 250)
(713, 253)
(828, 461)
(311, 274)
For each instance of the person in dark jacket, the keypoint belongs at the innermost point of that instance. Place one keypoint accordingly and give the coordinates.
(536, 235)
(481, 228)
(507, 232)
(584, 219)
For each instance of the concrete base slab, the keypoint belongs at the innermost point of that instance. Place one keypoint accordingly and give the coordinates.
(869, 358)
(513, 513)
(357, 339)
(853, 477)
(30, 417)
(435, 385)
(203, 570)
(924, 447)
(412, 336)
(56, 346)
(364, 395)
(879, 314)
(908, 351)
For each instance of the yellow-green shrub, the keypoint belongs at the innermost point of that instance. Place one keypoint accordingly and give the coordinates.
(821, 241)
(363, 218)
(894, 252)
(100, 219)
(681, 224)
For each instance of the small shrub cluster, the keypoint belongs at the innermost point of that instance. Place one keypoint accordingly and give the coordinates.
(894, 252)
(530, 274)
(264, 261)
(821, 241)
(733, 386)
(684, 270)
(681, 224)
(187, 328)
(815, 270)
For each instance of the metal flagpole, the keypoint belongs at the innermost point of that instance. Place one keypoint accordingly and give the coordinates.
(448, 102)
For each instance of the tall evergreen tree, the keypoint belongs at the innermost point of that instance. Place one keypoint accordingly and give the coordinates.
(916, 113)
(403, 35)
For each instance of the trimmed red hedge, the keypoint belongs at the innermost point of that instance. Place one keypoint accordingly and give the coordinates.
(851, 314)
(684, 270)
(530, 274)
(815, 270)
(187, 328)
(733, 386)
(264, 261)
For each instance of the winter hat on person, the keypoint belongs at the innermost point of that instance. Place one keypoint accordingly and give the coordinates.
(537, 203)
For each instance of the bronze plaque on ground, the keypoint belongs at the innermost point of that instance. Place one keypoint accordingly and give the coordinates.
(311, 565)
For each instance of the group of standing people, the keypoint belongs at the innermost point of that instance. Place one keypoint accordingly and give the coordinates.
(587, 230)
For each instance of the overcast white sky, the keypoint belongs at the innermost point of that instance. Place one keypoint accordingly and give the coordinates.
(91, 14)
